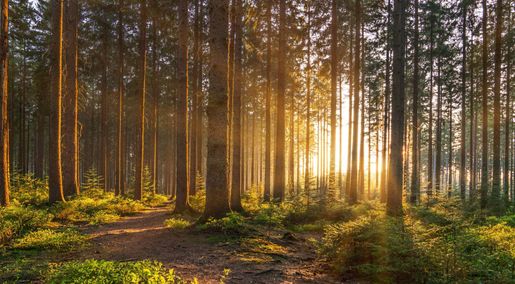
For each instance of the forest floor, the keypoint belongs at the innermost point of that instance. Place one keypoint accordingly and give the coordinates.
(267, 256)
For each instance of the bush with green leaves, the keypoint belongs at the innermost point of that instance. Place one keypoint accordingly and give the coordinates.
(177, 223)
(61, 240)
(15, 221)
(28, 190)
(102, 271)
(232, 224)
(438, 243)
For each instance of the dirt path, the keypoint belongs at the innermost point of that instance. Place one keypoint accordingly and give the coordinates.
(202, 255)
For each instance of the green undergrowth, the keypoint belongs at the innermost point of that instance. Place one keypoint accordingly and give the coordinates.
(437, 243)
(101, 271)
(59, 240)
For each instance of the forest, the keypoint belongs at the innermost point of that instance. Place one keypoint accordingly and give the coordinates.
(257, 141)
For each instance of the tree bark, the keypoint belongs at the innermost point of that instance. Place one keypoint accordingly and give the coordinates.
(183, 181)
(4, 115)
(484, 103)
(237, 172)
(394, 200)
(142, 79)
(415, 183)
(279, 171)
(217, 193)
(463, 150)
(268, 121)
(55, 177)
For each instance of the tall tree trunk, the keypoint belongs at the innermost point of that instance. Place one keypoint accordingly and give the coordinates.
(508, 119)
(386, 126)
(120, 160)
(394, 200)
(430, 155)
(463, 151)
(279, 172)
(155, 101)
(307, 177)
(438, 163)
(195, 101)
(217, 193)
(183, 181)
(496, 182)
(334, 77)
(104, 160)
(415, 183)
(237, 172)
(484, 103)
(353, 192)
(4, 115)
(55, 177)
(268, 106)
(71, 96)
(142, 80)
(473, 128)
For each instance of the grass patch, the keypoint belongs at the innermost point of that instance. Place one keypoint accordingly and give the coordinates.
(177, 223)
(101, 271)
(51, 239)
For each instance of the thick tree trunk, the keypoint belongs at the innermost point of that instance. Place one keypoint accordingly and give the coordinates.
(183, 181)
(195, 101)
(70, 107)
(495, 198)
(120, 153)
(353, 190)
(415, 183)
(237, 172)
(307, 163)
(394, 200)
(217, 193)
(386, 126)
(334, 77)
(4, 114)
(484, 105)
(142, 80)
(279, 171)
(268, 106)
(463, 151)
(55, 177)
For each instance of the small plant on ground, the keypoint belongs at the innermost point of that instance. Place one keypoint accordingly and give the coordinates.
(61, 240)
(177, 223)
(101, 271)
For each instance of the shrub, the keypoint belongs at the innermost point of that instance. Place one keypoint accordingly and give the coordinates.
(28, 190)
(154, 200)
(232, 224)
(271, 214)
(101, 271)
(16, 221)
(177, 223)
(51, 239)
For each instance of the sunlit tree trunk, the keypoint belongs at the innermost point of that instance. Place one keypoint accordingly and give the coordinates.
(307, 177)
(508, 169)
(55, 177)
(334, 77)
(268, 122)
(394, 200)
(430, 122)
(237, 172)
(195, 101)
(463, 101)
(279, 171)
(484, 105)
(183, 181)
(155, 102)
(142, 78)
(104, 156)
(217, 193)
(386, 123)
(120, 160)
(4, 114)
(496, 182)
(353, 190)
(415, 190)
(70, 103)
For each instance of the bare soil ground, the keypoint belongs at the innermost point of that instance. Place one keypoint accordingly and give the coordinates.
(264, 258)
